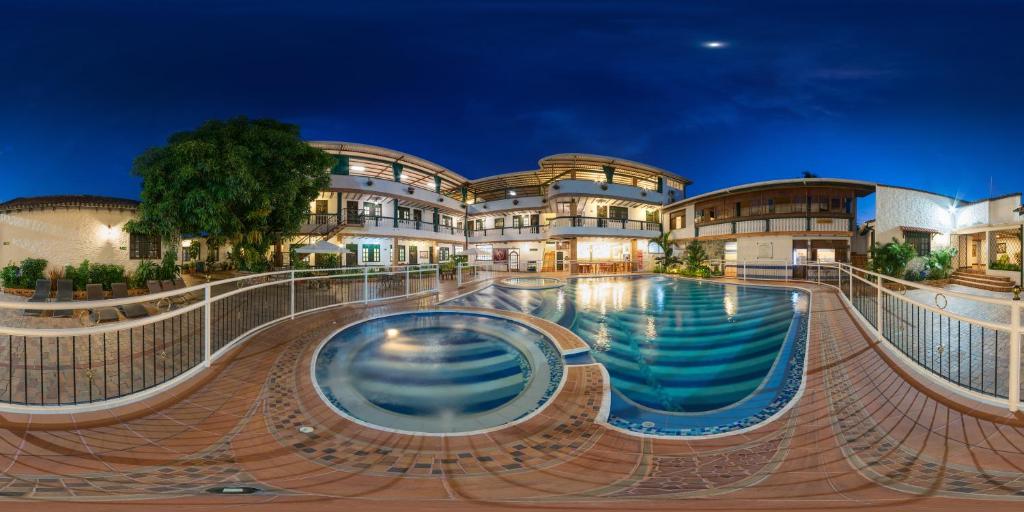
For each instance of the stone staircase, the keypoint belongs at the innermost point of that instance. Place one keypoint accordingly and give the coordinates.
(978, 279)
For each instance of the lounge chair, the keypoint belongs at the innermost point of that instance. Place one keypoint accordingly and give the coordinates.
(154, 287)
(134, 310)
(179, 284)
(168, 286)
(42, 294)
(65, 293)
(99, 315)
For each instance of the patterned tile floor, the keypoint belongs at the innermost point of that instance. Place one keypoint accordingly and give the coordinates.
(866, 434)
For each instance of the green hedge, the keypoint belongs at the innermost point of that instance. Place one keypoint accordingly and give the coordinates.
(94, 273)
(25, 274)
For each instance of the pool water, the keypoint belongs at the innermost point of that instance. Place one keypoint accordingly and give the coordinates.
(437, 372)
(685, 357)
(531, 282)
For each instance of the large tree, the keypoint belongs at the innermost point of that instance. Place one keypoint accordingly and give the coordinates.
(243, 181)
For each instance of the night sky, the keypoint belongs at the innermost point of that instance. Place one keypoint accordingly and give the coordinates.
(919, 94)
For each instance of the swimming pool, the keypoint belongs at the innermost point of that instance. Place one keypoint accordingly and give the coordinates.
(437, 372)
(684, 357)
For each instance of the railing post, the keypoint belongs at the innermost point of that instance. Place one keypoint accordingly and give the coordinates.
(291, 286)
(849, 275)
(366, 285)
(437, 278)
(1013, 392)
(207, 341)
(744, 270)
(878, 307)
(407, 281)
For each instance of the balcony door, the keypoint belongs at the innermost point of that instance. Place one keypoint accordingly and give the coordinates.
(414, 255)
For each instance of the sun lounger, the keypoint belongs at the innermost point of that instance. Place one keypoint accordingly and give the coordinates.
(135, 310)
(65, 293)
(154, 287)
(99, 315)
(179, 284)
(41, 294)
(168, 286)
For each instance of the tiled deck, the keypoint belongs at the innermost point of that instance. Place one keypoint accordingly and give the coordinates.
(865, 434)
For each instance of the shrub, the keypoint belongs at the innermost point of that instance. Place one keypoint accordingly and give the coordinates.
(940, 263)
(9, 276)
(168, 266)
(94, 273)
(146, 271)
(892, 258)
(326, 261)
(32, 269)
(696, 260)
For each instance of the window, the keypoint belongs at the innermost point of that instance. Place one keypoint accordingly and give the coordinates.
(739, 209)
(499, 222)
(403, 213)
(321, 206)
(443, 253)
(372, 209)
(922, 242)
(485, 253)
(143, 247)
(371, 253)
(771, 206)
(709, 214)
(479, 225)
(446, 220)
(563, 208)
(618, 212)
(730, 251)
(678, 220)
(517, 221)
(401, 253)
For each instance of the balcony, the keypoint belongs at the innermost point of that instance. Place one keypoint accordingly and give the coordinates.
(516, 234)
(597, 226)
(609, 190)
(768, 224)
(325, 224)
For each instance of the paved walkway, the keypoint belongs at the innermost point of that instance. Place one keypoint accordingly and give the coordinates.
(866, 434)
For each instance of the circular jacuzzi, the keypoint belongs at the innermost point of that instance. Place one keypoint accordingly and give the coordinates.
(437, 372)
(530, 283)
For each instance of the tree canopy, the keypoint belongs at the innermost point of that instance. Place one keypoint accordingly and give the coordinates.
(243, 181)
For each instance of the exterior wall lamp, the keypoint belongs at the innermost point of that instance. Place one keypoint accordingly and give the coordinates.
(1016, 292)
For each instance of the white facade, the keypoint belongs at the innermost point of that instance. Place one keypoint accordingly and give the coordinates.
(66, 236)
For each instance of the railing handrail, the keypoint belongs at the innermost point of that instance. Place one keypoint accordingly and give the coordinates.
(151, 297)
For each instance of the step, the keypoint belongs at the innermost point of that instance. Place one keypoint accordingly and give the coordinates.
(995, 280)
(984, 286)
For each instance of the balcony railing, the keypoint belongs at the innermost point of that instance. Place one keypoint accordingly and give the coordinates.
(360, 219)
(604, 223)
(512, 230)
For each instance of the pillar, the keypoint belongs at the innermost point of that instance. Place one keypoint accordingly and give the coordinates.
(609, 173)
(394, 250)
(437, 184)
(437, 220)
(661, 184)
(394, 213)
(396, 169)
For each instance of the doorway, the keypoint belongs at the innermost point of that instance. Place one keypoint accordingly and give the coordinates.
(414, 256)
(513, 261)
(559, 261)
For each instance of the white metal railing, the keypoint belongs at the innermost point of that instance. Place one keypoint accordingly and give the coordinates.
(65, 367)
(970, 343)
(466, 273)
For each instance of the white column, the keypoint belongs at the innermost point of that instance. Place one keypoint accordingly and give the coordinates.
(366, 284)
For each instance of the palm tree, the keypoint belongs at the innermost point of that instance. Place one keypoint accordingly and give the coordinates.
(667, 249)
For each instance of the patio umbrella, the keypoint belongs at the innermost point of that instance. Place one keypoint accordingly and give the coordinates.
(322, 247)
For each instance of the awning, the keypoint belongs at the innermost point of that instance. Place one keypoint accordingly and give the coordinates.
(912, 229)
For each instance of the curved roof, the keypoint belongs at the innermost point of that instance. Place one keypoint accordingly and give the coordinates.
(449, 178)
(555, 167)
(866, 186)
(68, 201)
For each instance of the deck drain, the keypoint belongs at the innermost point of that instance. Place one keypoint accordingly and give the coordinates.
(647, 424)
(233, 490)
(305, 429)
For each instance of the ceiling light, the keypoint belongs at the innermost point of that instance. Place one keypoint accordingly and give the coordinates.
(511, 192)
(357, 168)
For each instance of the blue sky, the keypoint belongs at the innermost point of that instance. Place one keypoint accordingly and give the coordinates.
(919, 94)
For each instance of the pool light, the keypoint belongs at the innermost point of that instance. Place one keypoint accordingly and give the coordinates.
(392, 333)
